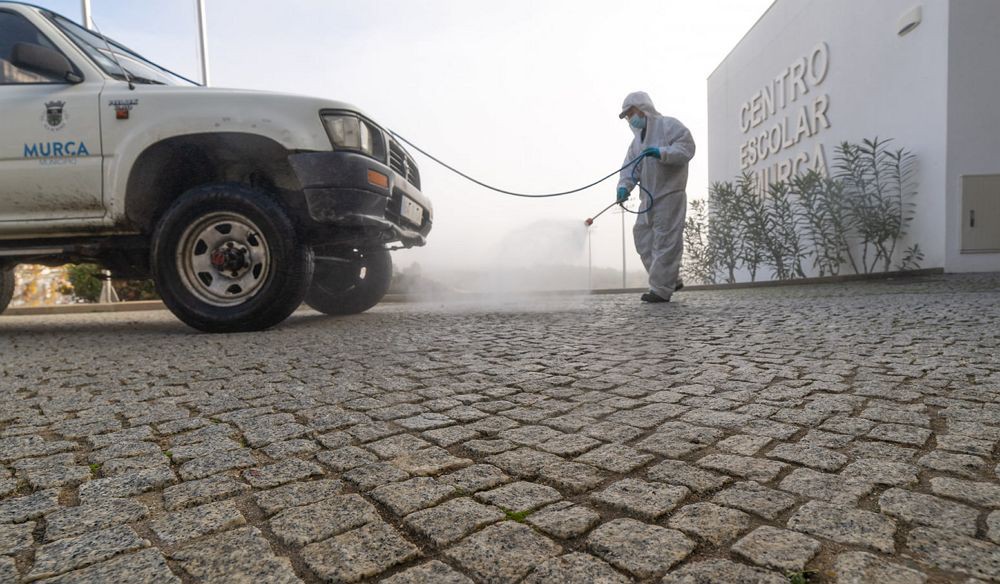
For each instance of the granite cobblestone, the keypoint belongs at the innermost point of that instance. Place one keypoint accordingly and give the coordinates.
(847, 429)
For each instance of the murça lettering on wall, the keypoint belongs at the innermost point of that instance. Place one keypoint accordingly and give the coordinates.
(784, 113)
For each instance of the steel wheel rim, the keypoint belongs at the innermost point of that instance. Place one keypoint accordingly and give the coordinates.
(231, 235)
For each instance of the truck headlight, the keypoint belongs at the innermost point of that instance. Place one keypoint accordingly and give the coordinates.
(349, 132)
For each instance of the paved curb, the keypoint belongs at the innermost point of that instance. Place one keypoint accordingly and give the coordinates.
(142, 306)
(908, 274)
(138, 306)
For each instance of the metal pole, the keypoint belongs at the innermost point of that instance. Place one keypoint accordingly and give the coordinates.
(623, 248)
(203, 42)
(88, 22)
(590, 261)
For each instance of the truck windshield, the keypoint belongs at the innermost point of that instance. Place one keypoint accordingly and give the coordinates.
(139, 69)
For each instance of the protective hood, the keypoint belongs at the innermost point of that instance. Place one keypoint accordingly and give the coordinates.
(640, 100)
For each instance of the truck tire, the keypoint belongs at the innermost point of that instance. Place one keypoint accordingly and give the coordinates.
(352, 285)
(227, 258)
(6, 287)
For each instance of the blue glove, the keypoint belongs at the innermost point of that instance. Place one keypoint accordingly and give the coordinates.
(654, 152)
(622, 195)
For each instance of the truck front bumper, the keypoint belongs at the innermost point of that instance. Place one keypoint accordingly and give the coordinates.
(339, 191)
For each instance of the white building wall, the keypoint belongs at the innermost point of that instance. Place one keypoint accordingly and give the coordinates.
(878, 84)
(973, 116)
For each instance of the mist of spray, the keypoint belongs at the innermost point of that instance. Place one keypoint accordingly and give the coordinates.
(544, 242)
(543, 256)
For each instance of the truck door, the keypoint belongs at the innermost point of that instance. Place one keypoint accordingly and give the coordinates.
(50, 141)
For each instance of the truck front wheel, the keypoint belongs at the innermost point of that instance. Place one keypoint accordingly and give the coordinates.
(349, 281)
(227, 258)
(6, 287)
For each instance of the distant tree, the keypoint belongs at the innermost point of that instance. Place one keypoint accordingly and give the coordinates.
(86, 281)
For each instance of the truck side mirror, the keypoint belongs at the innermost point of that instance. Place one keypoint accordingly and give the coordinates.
(44, 61)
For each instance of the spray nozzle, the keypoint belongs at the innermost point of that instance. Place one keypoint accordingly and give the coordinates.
(589, 222)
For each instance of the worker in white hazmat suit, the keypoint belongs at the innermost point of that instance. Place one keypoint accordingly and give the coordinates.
(666, 146)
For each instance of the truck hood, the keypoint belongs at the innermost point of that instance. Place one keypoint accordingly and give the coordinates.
(222, 95)
(165, 110)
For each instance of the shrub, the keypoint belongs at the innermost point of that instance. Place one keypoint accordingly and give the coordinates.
(784, 244)
(724, 237)
(752, 218)
(856, 218)
(86, 281)
(701, 265)
(880, 186)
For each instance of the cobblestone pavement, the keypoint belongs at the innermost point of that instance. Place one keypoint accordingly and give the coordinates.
(735, 436)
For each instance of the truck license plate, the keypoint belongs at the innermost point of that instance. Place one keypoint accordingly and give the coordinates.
(412, 212)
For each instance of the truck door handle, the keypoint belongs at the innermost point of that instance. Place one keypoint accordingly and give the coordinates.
(972, 217)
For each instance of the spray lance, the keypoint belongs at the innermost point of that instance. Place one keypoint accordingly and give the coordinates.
(634, 163)
(590, 220)
(635, 169)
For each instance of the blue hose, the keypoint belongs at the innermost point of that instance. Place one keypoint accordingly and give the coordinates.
(635, 179)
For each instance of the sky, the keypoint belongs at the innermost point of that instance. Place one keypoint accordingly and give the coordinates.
(521, 94)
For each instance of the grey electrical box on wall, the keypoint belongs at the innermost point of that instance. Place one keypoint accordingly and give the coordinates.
(981, 214)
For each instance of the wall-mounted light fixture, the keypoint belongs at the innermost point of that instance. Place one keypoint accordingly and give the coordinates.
(910, 20)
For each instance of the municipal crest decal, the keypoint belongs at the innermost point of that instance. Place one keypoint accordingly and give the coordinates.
(55, 118)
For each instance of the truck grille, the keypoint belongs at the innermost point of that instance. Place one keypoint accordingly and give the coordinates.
(403, 164)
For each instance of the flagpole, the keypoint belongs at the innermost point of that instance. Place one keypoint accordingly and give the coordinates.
(202, 41)
(88, 22)
(623, 249)
(590, 262)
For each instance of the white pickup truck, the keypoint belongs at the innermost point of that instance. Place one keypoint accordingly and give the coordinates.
(239, 204)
